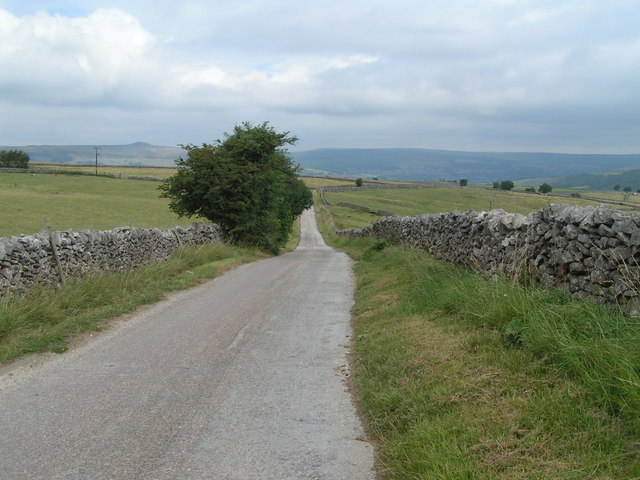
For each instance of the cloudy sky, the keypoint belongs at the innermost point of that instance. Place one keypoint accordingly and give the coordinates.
(527, 75)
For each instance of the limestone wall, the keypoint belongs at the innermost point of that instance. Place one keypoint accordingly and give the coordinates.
(588, 251)
(29, 259)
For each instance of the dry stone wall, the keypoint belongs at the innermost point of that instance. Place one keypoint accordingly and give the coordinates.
(588, 251)
(26, 260)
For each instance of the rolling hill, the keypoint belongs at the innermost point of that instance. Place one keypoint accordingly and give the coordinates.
(478, 167)
(135, 154)
(599, 181)
(384, 163)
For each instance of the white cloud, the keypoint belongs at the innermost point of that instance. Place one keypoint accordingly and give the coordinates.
(429, 64)
(107, 57)
(60, 60)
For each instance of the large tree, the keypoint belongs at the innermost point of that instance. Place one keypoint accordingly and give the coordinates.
(247, 183)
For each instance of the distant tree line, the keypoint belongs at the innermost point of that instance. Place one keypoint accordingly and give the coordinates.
(14, 159)
(508, 185)
(627, 189)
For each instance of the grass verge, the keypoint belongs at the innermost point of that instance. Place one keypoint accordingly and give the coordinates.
(45, 319)
(460, 376)
(294, 237)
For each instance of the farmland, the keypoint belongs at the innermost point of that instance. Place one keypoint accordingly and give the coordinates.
(120, 170)
(416, 201)
(80, 203)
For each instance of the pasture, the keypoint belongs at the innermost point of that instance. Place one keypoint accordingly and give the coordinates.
(317, 182)
(123, 171)
(416, 201)
(80, 203)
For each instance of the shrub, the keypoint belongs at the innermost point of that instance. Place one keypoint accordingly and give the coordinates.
(545, 188)
(506, 185)
(14, 159)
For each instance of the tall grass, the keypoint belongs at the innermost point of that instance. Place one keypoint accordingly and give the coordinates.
(44, 319)
(583, 340)
(451, 397)
(460, 375)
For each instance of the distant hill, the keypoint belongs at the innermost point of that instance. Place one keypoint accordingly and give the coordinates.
(384, 163)
(135, 154)
(478, 167)
(600, 181)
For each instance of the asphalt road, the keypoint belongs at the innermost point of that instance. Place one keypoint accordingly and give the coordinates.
(240, 378)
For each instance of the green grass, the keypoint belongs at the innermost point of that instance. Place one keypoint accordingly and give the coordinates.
(448, 394)
(316, 182)
(629, 198)
(416, 201)
(125, 172)
(80, 203)
(45, 319)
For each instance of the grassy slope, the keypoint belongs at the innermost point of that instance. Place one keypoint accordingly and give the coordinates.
(601, 181)
(614, 197)
(315, 182)
(422, 164)
(157, 172)
(435, 200)
(80, 203)
(445, 397)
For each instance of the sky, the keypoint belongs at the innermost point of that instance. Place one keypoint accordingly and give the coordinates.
(489, 75)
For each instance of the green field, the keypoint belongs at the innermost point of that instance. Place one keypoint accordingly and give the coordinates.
(626, 199)
(416, 201)
(316, 182)
(622, 197)
(80, 203)
(125, 172)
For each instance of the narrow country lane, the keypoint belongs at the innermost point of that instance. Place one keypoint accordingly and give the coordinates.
(240, 378)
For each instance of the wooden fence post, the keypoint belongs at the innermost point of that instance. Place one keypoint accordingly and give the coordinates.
(54, 250)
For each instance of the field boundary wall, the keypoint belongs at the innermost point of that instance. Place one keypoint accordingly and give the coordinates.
(50, 257)
(587, 251)
(58, 171)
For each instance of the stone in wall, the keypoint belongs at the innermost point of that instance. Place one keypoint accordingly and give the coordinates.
(588, 251)
(27, 260)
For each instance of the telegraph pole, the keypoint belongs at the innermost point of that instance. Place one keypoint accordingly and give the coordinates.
(96, 161)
